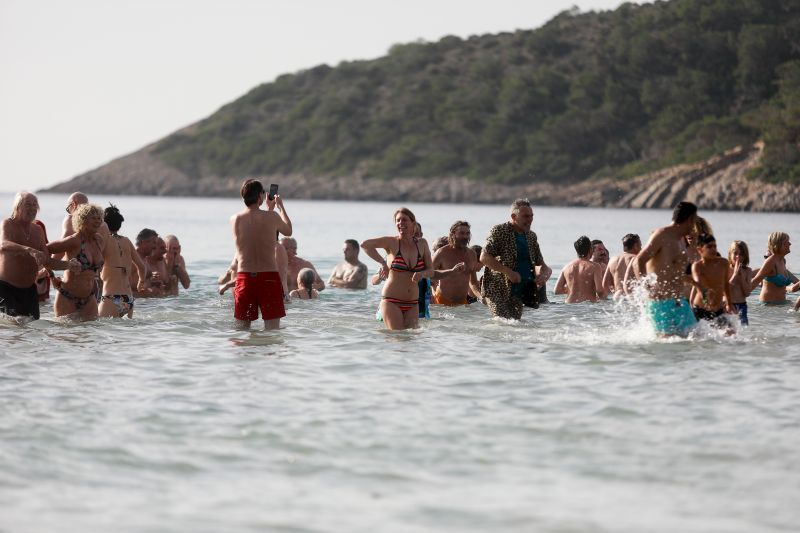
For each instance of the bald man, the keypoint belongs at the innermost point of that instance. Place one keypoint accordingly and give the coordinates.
(75, 199)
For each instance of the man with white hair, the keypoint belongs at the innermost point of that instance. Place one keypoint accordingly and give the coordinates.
(22, 253)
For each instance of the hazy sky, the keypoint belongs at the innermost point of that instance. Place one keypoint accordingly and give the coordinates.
(86, 81)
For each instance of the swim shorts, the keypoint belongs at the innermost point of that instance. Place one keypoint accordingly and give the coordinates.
(439, 299)
(742, 310)
(717, 318)
(19, 302)
(671, 317)
(258, 291)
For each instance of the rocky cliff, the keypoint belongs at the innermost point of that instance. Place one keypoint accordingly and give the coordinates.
(717, 183)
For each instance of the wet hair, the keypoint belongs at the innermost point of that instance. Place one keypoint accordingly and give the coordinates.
(144, 235)
(305, 278)
(630, 240)
(18, 199)
(451, 237)
(407, 212)
(702, 226)
(583, 246)
(477, 248)
(83, 212)
(519, 203)
(353, 243)
(683, 212)
(113, 218)
(744, 252)
(595, 242)
(705, 238)
(250, 190)
(775, 241)
(441, 242)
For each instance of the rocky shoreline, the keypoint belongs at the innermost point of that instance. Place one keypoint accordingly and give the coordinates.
(718, 183)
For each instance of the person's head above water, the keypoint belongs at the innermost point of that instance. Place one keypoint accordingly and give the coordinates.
(521, 214)
(776, 242)
(631, 242)
(250, 191)
(683, 212)
(739, 250)
(305, 278)
(583, 246)
(350, 250)
(86, 213)
(25, 204)
(460, 234)
(75, 199)
(599, 252)
(113, 218)
(707, 245)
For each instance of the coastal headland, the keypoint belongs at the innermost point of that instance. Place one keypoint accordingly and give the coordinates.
(638, 107)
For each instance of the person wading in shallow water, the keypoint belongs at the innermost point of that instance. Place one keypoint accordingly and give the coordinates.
(409, 261)
(516, 270)
(255, 234)
(23, 253)
(665, 256)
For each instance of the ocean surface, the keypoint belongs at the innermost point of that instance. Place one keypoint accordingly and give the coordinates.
(575, 419)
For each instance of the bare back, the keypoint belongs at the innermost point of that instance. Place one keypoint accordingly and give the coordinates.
(584, 281)
(617, 268)
(255, 235)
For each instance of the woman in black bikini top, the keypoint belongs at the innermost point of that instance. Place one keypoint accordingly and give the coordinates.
(76, 294)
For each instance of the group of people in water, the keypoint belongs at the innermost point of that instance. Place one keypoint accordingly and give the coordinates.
(104, 273)
(685, 277)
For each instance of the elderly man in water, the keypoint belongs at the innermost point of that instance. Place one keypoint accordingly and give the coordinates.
(176, 265)
(75, 199)
(22, 253)
(296, 264)
(515, 268)
(581, 279)
(454, 289)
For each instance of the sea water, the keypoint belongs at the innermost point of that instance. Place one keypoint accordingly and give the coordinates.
(576, 418)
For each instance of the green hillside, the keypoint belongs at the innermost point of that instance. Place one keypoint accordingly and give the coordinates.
(588, 94)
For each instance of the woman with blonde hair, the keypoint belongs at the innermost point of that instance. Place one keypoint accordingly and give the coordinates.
(408, 261)
(77, 293)
(776, 278)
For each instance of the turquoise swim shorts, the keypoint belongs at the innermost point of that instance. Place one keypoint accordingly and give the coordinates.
(671, 317)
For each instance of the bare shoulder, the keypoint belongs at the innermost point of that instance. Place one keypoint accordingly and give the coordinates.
(6, 225)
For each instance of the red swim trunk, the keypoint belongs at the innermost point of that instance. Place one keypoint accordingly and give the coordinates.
(258, 290)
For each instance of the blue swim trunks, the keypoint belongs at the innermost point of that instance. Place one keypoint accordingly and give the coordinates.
(671, 317)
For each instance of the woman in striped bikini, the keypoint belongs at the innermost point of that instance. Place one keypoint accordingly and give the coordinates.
(409, 261)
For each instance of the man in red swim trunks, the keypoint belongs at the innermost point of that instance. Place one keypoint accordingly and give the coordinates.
(255, 234)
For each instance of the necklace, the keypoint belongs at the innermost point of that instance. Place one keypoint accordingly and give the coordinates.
(22, 227)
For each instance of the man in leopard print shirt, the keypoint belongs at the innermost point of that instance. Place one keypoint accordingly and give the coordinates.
(512, 256)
